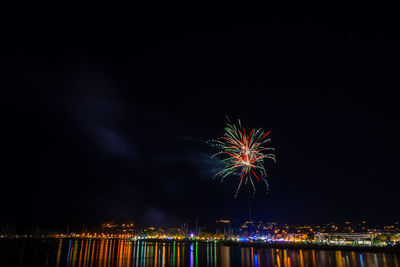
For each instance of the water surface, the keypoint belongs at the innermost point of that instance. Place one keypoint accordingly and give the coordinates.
(114, 252)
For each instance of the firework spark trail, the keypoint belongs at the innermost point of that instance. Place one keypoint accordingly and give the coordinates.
(244, 154)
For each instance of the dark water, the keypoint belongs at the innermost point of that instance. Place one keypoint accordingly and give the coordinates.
(76, 252)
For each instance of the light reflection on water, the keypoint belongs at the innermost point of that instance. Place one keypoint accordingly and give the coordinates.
(114, 252)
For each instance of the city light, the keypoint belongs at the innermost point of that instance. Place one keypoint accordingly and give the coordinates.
(346, 234)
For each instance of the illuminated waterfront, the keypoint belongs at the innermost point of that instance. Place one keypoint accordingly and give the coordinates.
(122, 252)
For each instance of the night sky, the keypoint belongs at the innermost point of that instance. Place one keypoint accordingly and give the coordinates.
(107, 117)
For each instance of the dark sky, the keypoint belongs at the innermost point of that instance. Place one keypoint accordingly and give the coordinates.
(107, 115)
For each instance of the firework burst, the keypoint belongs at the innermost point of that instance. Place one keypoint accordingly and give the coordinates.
(244, 154)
